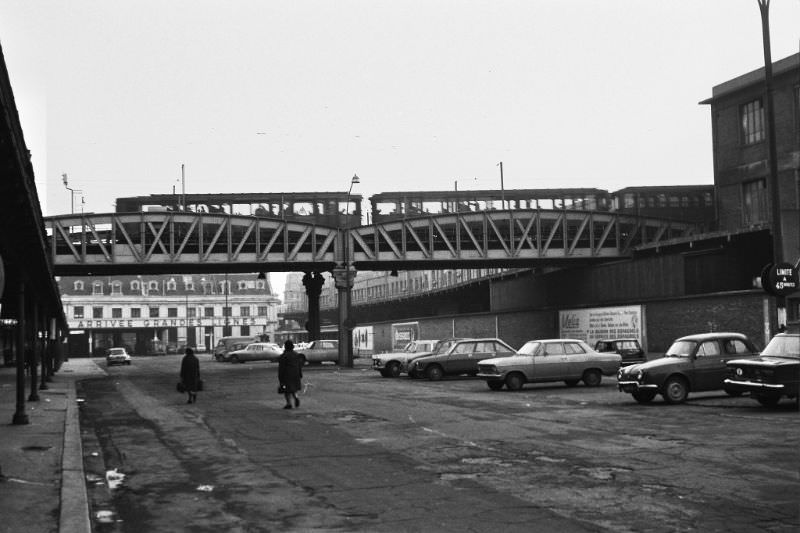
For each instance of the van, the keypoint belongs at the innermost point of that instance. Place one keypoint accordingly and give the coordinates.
(228, 344)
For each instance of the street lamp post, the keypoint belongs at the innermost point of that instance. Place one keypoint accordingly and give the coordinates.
(343, 277)
(72, 194)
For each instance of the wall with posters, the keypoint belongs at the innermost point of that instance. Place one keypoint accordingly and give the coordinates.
(595, 323)
(363, 340)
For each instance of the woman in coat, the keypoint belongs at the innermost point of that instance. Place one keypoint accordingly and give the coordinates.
(290, 372)
(190, 374)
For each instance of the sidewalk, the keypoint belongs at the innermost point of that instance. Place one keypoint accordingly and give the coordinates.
(42, 485)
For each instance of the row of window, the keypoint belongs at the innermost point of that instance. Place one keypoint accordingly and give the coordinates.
(98, 287)
(78, 311)
(632, 200)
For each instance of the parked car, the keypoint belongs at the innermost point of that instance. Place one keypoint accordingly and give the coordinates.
(695, 363)
(321, 350)
(538, 361)
(117, 356)
(256, 351)
(772, 375)
(459, 356)
(226, 345)
(392, 364)
(629, 349)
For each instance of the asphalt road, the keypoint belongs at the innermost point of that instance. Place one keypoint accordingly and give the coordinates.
(366, 453)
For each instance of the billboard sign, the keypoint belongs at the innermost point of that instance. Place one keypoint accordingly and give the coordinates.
(595, 323)
(403, 333)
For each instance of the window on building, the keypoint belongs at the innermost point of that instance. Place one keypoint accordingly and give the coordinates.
(153, 312)
(208, 311)
(116, 312)
(191, 312)
(172, 312)
(136, 312)
(97, 312)
(135, 286)
(260, 284)
(244, 311)
(674, 201)
(752, 116)
(241, 285)
(630, 201)
(77, 286)
(244, 331)
(684, 201)
(262, 310)
(662, 200)
(226, 311)
(77, 311)
(152, 285)
(172, 285)
(116, 287)
(754, 200)
(97, 287)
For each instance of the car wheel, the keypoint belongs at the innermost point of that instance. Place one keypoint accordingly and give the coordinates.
(495, 385)
(571, 382)
(514, 381)
(643, 396)
(393, 370)
(592, 378)
(234, 359)
(127, 362)
(385, 373)
(676, 390)
(434, 373)
(768, 400)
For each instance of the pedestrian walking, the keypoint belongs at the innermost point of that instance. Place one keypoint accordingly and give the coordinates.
(190, 374)
(290, 372)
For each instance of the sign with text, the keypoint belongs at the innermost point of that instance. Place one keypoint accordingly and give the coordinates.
(780, 279)
(597, 323)
(403, 333)
(137, 323)
(362, 339)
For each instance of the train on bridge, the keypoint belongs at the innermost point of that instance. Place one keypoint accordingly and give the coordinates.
(687, 203)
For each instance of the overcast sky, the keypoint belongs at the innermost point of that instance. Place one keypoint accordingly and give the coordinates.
(277, 96)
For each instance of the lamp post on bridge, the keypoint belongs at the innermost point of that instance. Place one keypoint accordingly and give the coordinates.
(72, 194)
(343, 276)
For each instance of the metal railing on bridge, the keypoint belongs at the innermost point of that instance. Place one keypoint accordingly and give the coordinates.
(183, 241)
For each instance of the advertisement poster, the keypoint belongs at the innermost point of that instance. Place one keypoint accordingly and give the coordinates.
(598, 323)
(404, 333)
(362, 340)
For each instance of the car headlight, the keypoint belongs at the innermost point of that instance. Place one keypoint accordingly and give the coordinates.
(639, 375)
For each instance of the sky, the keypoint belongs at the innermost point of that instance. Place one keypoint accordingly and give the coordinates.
(281, 96)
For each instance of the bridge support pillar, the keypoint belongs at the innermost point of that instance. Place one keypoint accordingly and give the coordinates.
(313, 282)
(343, 278)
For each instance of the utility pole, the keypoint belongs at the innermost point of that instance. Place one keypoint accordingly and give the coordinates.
(774, 188)
(72, 194)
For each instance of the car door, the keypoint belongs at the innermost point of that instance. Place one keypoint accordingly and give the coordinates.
(459, 360)
(547, 361)
(483, 350)
(577, 360)
(708, 366)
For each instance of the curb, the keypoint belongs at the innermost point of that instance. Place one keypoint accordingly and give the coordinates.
(74, 517)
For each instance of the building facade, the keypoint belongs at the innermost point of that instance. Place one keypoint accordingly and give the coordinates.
(164, 313)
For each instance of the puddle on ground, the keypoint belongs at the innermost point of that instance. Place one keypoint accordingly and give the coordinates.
(105, 517)
(114, 478)
(205, 488)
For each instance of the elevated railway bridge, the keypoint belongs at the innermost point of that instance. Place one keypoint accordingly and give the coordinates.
(189, 242)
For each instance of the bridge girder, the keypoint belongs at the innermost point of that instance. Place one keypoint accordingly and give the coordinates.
(199, 242)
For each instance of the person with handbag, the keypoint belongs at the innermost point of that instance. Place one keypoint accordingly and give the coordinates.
(290, 372)
(190, 375)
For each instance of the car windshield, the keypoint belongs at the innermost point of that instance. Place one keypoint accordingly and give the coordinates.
(788, 346)
(681, 349)
(444, 346)
(529, 348)
(116, 351)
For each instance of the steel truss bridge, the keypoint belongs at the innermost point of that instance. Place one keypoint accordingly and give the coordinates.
(186, 242)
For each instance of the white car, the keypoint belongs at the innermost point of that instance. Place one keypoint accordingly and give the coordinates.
(539, 361)
(117, 356)
(392, 364)
(256, 351)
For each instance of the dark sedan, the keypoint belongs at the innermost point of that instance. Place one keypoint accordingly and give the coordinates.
(695, 363)
(771, 376)
(459, 356)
